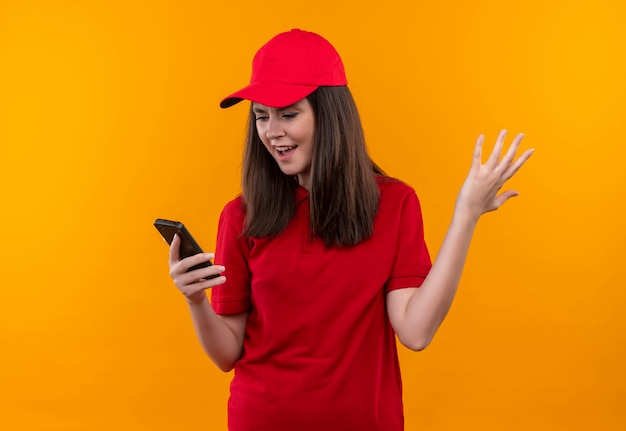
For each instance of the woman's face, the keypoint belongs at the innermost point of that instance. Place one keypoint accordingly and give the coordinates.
(288, 135)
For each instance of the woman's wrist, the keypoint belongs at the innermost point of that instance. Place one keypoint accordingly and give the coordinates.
(465, 217)
(197, 298)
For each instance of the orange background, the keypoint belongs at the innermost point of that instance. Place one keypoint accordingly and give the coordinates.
(109, 119)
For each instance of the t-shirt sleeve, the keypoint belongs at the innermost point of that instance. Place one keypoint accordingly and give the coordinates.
(232, 251)
(412, 262)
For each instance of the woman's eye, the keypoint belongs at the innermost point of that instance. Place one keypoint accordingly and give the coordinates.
(261, 117)
(290, 115)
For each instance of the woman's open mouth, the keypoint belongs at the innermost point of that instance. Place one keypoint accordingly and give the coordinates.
(284, 152)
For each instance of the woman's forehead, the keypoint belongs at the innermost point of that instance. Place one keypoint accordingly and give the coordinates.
(299, 104)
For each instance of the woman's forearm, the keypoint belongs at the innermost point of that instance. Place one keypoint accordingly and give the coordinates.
(425, 308)
(221, 337)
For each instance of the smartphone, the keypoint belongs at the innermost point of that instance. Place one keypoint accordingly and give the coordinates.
(188, 245)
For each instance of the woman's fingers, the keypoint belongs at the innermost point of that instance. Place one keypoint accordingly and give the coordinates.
(180, 270)
(513, 168)
(511, 152)
(196, 259)
(175, 250)
(183, 276)
(192, 282)
(478, 152)
(481, 191)
(508, 165)
(502, 198)
(494, 158)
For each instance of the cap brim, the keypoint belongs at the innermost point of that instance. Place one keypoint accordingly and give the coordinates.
(270, 94)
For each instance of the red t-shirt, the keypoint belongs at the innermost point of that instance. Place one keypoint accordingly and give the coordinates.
(319, 350)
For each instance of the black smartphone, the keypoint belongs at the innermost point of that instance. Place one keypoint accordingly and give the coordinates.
(188, 245)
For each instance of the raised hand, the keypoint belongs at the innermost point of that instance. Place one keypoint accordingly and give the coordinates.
(480, 192)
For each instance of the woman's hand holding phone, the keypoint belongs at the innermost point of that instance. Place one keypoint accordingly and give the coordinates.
(193, 284)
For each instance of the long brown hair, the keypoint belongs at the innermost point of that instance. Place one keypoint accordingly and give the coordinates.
(344, 194)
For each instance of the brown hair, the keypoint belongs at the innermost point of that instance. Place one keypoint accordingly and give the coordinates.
(344, 194)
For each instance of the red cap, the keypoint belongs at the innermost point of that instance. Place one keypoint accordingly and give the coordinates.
(288, 68)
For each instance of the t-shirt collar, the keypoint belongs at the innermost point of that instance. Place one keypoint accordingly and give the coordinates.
(301, 194)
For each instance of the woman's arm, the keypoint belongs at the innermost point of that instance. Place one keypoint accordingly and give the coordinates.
(417, 313)
(221, 336)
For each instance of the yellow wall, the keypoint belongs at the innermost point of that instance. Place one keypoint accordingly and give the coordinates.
(109, 118)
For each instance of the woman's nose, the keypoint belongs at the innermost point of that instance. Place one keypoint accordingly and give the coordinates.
(274, 129)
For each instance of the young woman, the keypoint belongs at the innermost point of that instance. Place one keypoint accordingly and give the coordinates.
(322, 258)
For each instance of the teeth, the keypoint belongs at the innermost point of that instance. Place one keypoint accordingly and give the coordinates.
(283, 149)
